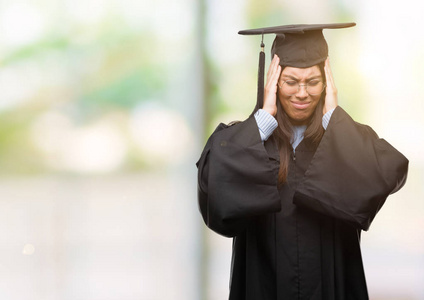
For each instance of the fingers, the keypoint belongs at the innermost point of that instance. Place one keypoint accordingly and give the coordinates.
(274, 71)
(331, 101)
(328, 74)
(270, 90)
(275, 62)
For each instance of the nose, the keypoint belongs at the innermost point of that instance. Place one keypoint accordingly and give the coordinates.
(302, 93)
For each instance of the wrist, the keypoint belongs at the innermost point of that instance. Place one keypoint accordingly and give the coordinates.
(328, 108)
(271, 110)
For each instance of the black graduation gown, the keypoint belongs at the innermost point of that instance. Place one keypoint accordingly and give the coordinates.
(301, 241)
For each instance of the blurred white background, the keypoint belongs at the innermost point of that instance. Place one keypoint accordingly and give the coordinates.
(105, 108)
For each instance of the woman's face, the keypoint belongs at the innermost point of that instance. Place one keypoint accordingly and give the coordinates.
(300, 106)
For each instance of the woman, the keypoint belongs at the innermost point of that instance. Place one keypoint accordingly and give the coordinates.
(296, 182)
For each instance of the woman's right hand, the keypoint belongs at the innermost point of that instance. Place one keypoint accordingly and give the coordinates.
(270, 90)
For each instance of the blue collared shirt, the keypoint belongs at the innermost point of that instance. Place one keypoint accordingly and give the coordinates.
(267, 124)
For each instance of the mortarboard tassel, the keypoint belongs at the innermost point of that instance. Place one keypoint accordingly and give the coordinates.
(261, 70)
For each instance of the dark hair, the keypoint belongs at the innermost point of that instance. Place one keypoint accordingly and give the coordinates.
(284, 131)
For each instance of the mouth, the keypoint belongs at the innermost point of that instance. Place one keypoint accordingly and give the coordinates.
(300, 105)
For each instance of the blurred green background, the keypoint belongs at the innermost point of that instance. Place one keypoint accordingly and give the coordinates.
(105, 108)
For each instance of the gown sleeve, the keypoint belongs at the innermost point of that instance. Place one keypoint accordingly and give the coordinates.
(352, 173)
(237, 178)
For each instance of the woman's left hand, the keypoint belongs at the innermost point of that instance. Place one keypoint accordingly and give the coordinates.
(330, 90)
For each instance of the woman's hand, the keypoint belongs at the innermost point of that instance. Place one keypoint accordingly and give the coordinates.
(270, 90)
(330, 90)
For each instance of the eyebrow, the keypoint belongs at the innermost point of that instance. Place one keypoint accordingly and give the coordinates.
(308, 79)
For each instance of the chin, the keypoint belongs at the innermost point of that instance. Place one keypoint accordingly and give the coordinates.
(299, 119)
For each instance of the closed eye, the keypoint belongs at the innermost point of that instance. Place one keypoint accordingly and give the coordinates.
(291, 82)
(314, 82)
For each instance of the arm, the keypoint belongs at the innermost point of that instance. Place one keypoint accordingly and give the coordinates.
(266, 124)
(353, 170)
(237, 178)
(237, 175)
(352, 173)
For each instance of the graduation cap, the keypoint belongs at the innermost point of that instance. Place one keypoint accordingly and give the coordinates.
(299, 46)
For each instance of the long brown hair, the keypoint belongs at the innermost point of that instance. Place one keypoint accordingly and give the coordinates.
(284, 132)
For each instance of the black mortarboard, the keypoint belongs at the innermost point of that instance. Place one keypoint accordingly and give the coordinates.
(299, 46)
